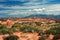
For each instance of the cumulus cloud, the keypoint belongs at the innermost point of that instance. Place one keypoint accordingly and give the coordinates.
(39, 9)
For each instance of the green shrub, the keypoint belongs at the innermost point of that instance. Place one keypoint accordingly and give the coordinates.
(13, 37)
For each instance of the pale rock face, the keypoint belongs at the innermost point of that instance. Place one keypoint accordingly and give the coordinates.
(4, 23)
(51, 36)
(1, 37)
(26, 36)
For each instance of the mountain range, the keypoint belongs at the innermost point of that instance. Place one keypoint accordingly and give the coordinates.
(43, 16)
(33, 16)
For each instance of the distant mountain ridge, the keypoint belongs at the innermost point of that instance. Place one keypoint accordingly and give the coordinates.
(32, 16)
(43, 16)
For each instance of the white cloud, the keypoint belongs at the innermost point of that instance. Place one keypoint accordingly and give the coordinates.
(33, 2)
(37, 2)
(53, 9)
(21, 7)
(41, 9)
(55, 6)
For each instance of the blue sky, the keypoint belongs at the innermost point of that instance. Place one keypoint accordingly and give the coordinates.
(28, 7)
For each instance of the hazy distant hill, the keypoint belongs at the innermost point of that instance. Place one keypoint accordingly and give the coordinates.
(43, 16)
